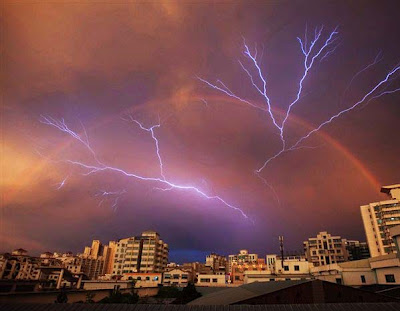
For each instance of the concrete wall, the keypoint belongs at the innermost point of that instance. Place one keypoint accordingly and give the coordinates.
(380, 275)
(214, 280)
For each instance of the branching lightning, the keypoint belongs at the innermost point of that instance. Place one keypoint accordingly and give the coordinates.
(316, 49)
(98, 166)
(113, 195)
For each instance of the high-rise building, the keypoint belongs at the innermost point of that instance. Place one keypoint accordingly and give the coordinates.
(145, 254)
(109, 254)
(242, 258)
(96, 249)
(325, 249)
(97, 260)
(378, 218)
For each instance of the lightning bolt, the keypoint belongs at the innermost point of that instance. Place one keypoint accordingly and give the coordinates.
(116, 195)
(98, 166)
(316, 49)
(62, 183)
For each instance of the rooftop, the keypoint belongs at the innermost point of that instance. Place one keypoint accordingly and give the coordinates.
(138, 307)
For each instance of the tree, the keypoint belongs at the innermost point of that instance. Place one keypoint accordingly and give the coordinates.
(168, 292)
(61, 298)
(117, 297)
(188, 294)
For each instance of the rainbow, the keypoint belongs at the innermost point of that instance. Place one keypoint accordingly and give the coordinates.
(27, 179)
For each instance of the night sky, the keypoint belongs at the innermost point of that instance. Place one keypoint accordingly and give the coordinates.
(98, 64)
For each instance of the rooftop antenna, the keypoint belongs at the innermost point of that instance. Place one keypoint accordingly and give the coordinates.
(281, 248)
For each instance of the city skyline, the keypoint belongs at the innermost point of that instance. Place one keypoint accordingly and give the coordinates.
(114, 87)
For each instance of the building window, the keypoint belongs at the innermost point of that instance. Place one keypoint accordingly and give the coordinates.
(338, 281)
(296, 268)
(390, 278)
(215, 280)
(286, 268)
(362, 278)
(237, 278)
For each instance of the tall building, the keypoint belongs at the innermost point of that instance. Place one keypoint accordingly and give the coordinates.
(378, 218)
(145, 254)
(325, 249)
(242, 258)
(109, 254)
(96, 249)
(97, 260)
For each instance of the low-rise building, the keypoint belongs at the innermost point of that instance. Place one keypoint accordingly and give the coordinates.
(378, 270)
(144, 279)
(211, 280)
(179, 277)
(276, 269)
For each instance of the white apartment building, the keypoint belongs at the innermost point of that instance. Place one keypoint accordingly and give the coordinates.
(143, 254)
(325, 249)
(378, 218)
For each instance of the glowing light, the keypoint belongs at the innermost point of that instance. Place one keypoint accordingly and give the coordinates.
(98, 166)
(311, 54)
(62, 183)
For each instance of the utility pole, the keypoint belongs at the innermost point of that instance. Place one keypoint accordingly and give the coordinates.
(281, 248)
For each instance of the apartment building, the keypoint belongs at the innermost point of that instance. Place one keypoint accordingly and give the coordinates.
(217, 263)
(97, 260)
(145, 254)
(325, 249)
(377, 270)
(378, 218)
(357, 250)
(242, 258)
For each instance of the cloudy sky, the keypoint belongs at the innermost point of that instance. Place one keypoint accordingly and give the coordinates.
(97, 65)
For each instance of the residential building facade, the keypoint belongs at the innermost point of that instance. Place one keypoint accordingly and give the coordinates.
(145, 254)
(378, 218)
(217, 263)
(242, 258)
(325, 249)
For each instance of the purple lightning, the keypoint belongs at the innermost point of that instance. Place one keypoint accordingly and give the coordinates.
(113, 194)
(62, 183)
(311, 53)
(99, 166)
